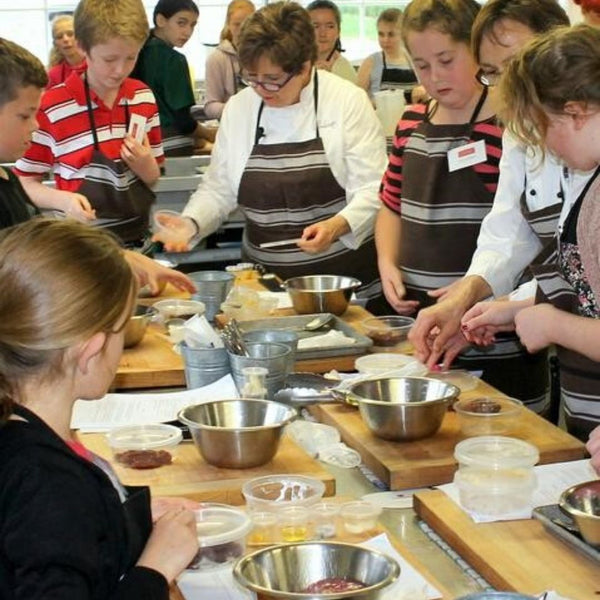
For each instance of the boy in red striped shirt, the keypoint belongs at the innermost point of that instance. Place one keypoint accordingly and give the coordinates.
(102, 173)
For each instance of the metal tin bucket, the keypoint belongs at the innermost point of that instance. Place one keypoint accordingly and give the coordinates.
(204, 365)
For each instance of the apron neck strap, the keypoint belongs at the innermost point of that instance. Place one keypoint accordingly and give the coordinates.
(384, 61)
(259, 132)
(480, 103)
(90, 112)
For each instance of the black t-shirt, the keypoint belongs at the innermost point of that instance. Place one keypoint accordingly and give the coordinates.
(15, 205)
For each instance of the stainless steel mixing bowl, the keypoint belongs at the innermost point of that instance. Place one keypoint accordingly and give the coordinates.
(403, 408)
(582, 503)
(237, 434)
(321, 293)
(137, 325)
(287, 570)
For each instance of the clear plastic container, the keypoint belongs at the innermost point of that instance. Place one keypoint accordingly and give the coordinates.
(144, 446)
(172, 227)
(359, 516)
(389, 333)
(459, 377)
(263, 528)
(324, 517)
(222, 532)
(488, 415)
(294, 524)
(495, 478)
(179, 309)
(255, 382)
(379, 363)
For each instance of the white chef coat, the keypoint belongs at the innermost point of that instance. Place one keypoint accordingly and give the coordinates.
(352, 137)
(506, 244)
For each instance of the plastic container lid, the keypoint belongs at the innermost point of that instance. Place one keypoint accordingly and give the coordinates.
(219, 524)
(458, 377)
(496, 451)
(144, 437)
(381, 362)
(359, 509)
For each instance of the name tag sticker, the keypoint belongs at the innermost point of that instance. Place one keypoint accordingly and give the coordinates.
(137, 127)
(466, 156)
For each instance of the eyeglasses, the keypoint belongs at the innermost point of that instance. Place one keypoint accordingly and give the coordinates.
(488, 79)
(269, 86)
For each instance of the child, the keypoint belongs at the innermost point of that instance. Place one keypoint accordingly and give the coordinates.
(165, 71)
(327, 21)
(223, 66)
(65, 56)
(590, 10)
(83, 127)
(441, 180)
(388, 69)
(22, 80)
(551, 98)
(72, 530)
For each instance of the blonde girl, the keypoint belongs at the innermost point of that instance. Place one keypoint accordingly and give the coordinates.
(65, 56)
(222, 77)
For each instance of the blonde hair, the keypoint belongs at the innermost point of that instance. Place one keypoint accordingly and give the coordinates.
(231, 8)
(55, 56)
(98, 21)
(556, 68)
(60, 283)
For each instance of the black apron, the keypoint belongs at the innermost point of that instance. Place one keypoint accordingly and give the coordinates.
(439, 237)
(286, 187)
(121, 199)
(175, 143)
(579, 375)
(395, 78)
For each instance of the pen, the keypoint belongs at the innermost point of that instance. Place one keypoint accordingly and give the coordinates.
(280, 243)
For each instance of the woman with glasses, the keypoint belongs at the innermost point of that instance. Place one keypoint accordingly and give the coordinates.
(301, 152)
(327, 21)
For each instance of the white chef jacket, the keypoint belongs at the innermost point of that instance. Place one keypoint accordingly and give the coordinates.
(506, 244)
(352, 137)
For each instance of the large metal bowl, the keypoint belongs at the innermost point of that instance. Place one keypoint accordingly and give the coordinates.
(237, 434)
(321, 293)
(287, 570)
(582, 503)
(402, 408)
(137, 325)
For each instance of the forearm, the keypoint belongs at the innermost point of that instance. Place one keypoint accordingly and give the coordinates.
(43, 196)
(468, 291)
(388, 232)
(148, 172)
(581, 334)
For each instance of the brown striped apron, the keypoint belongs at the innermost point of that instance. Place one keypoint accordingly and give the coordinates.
(441, 217)
(120, 198)
(175, 143)
(579, 375)
(286, 187)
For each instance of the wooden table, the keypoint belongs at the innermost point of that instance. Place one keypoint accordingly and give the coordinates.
(512, 555)
(430, 461)
(153, 363)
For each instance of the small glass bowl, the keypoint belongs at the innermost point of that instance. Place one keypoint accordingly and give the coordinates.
(144, 446)
(389, 333)
(359, 516)
(488, 415)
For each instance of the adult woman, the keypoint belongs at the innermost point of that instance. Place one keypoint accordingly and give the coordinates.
(302, 153)
(327, 21)
(590, 10)
(70, 528)
(223, 66)
(65, 56)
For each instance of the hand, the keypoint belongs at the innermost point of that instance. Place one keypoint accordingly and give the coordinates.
(319, 236)
(162, 504)
(481, 323)
(175, 232)
(151, 273)
(593, 447)
(534, 326)
(138, 157)
(77, 206)
(172, 544)
(394, 290)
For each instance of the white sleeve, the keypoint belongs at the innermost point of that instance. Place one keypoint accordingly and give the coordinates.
(365, 161)
(506, 244)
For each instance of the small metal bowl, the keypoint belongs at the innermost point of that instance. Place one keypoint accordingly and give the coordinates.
(497, 596)
(321, 293)
(137, 325)
(286, 571)
(582, 503)
(402, 408)
(237, 434)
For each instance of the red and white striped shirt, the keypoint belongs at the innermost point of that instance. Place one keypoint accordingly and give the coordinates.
(64, 142)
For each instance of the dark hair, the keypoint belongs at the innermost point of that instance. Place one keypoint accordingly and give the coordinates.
(452, 17)
(390, 15)
(553, 69)
(60, 283)
(538, 15)
(326, 5)
(283, 32)
(168, 8)
(18, 69)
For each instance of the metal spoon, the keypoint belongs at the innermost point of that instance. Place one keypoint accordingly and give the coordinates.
(317, 322)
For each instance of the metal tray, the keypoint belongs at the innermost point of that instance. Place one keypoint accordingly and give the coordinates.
(296, 323)
(556, 522)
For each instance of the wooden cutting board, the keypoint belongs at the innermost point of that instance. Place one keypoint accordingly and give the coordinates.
(430, 461)
(512, 555)
(190, 476)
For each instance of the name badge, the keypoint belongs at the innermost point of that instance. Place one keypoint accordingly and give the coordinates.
(466, 156)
